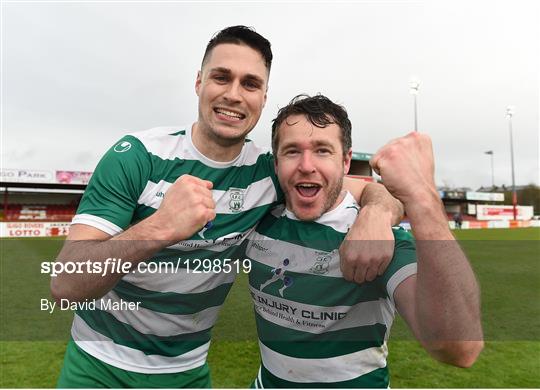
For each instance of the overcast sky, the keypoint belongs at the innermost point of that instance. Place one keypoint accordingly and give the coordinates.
(76, 76)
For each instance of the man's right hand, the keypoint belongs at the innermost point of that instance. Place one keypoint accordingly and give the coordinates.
(187, 206)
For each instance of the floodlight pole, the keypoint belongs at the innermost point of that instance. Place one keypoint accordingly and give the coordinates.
(413, 89)
(491, 153)
(509, 114)
(492, 172)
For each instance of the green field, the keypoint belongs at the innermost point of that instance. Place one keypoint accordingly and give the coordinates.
(507, 264)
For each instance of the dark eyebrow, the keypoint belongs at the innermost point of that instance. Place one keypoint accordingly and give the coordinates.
(323, 143)
(316, 144)
(249, 76)
(289, 145)
(220, 70)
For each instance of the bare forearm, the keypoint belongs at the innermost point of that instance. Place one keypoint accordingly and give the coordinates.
(377, 197)
(447, 294)
(106, 261)
(186, 207)
(441, 303)
(448, 302)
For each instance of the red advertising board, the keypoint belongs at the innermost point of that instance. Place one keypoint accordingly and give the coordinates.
(34, 229)
(491, 212)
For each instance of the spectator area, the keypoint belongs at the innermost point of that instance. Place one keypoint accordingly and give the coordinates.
(37, 212)
(38, 204)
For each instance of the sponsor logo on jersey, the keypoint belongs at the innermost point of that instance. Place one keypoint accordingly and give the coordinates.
(122, 147)
(259, 247)
(310, 318)
(278, 273)
(236, 202)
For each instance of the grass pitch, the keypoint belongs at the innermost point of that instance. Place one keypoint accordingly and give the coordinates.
(506, 262)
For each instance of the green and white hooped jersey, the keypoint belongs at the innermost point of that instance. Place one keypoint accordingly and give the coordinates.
(170, 332)
(315, 328)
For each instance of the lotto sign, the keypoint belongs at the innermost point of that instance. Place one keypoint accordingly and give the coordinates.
(34, 229)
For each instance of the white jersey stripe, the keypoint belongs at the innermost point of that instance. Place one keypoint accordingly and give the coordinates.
(97, 222)
(160, 324)
(336, 369)
(153, 193)
(271, 252)
(191, 283)
(256, 194)
(402, 274)
(218, 245)
(104, 349)
(153, 141)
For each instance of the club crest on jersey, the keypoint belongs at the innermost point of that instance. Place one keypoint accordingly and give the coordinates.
(236, 201)
(322, 264)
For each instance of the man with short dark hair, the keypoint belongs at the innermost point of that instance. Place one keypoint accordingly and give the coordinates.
(178, 194)
(315, 328)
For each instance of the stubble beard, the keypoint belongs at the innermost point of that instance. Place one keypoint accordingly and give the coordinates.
(333, 196)
(331, 199)
(213, 136)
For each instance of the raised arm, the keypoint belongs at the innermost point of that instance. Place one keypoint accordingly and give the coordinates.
(185, 209)
(441, 304)
(369, 244)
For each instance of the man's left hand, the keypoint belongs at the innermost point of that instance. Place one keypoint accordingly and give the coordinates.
(368, 247)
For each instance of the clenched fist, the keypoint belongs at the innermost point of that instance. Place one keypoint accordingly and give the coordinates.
(406, 167)
(187, 206)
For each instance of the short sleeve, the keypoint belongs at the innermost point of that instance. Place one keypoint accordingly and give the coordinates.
(403, 263)
(112, 194)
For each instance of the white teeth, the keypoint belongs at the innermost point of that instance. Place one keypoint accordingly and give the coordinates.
(308, 185)
(229, 113)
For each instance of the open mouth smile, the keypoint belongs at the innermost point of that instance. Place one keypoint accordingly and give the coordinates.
(308, 190)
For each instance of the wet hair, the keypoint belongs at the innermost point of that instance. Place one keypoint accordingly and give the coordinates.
(320, 111)
(241, 35)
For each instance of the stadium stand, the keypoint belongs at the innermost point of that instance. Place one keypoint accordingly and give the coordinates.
(39, 203)
(43, 203)
(41, 212)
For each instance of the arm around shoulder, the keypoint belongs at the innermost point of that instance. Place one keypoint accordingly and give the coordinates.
(376, 197)
(369, 244)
